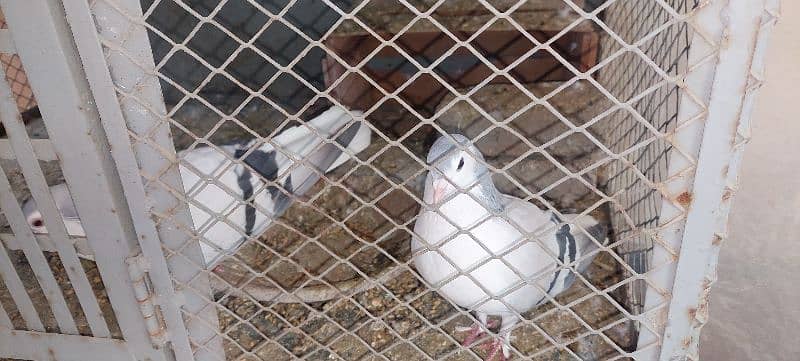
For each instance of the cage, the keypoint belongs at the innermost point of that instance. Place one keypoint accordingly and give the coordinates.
(241, 179)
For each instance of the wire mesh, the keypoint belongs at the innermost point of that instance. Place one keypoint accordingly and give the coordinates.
(669, 49)
(332, 277)
(15, 76)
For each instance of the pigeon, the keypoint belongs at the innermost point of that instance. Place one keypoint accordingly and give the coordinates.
(255, 194)
(491, 253)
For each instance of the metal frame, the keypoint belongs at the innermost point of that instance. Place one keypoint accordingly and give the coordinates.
(114, 123)
(62, 347)
(141, 111)
(745, 27)
(44, 44)
(109, 89)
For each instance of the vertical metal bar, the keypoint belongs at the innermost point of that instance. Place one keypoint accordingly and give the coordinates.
(18, 293)
(39, 265)
(97, 73)
(713, 188)
(46, 48)
(12, 121)
(137, 75)
(707, 34)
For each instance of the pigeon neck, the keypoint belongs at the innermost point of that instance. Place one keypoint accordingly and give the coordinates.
(491, 196)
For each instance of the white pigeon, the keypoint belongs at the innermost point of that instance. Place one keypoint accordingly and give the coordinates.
(474, 256)
(269, 167)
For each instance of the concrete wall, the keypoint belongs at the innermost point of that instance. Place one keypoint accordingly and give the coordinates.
(755, 305)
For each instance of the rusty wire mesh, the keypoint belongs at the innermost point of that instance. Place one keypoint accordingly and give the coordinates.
(16, 78)
(591, 134)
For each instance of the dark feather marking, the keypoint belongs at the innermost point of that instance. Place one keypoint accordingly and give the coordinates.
(280, 199)
(247, 191)
(565, 241)
(262, 162)
(598, 231)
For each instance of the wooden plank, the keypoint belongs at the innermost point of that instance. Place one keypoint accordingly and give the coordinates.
(389, 16)
(461, 69)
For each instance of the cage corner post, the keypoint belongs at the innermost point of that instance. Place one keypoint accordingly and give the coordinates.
(132, 73)
(739, 29)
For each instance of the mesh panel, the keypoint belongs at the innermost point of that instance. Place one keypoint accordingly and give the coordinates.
(627, 78)
(571, 104)
(16, 78)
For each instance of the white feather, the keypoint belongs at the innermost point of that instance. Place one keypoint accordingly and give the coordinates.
(503, 264)
(211, 181)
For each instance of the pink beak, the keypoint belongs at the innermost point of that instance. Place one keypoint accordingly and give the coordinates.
(439, 189)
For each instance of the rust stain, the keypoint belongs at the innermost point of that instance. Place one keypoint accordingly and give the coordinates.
(684, 199)
(727, 194)
(707, 283)
(692, 313)
(717, 240)
(687, 341)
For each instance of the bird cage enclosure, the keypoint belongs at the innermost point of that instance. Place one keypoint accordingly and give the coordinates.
(245, 179)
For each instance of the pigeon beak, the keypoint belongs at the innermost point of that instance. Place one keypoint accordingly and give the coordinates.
(439, 189)
(36, 222)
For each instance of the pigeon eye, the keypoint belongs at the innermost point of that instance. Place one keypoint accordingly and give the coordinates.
(460, 164)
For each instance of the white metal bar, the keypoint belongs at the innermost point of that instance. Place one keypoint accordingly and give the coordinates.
(687, 139)
(45, 47)
(146, 87)
(97, 73)
(6, 42)
(713, 188)
(47, 346)
(4, 320)
(48, 245)
(34, 177)
(18, 293)
(39, 265)
(42, 148)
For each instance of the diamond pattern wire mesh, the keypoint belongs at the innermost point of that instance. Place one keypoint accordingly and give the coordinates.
(596, 142)
(16, 78)
(640, 201)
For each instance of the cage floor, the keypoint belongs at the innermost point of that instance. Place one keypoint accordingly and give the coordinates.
(402, 319)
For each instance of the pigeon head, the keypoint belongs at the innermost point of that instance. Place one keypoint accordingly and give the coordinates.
(459, 167)
(65, 206)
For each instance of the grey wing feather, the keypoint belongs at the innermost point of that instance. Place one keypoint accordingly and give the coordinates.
(303, 177)
(586, 244)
